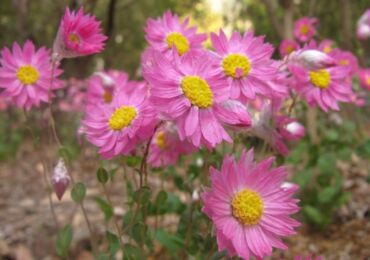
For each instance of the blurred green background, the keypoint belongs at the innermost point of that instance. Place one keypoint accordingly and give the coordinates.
(123, 21)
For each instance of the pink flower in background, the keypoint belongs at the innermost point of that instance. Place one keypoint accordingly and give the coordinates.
(287, 46)
(249, 208)
(166, 147)
(323, 87)
(364, 77)
(363, 26)
(245, 64)
(75, 99)
(79, 34)
(274, 129)
(327, 46)
(60, 179)
(25, 75)
(118, 127)
(167, 33)
(345, 59)
(305, 28)
(4, 103)
(102, 86)
(189, 92)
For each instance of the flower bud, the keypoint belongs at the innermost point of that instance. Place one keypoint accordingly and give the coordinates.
(311, 59)
(60, 178)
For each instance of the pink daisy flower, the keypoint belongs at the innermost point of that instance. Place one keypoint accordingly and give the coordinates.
(25, 75)
(118, 127)
(245, 63)
(166, 147)
(79, 34)
(364, 77)
(75, 98)
(345, 59)
(305, 28)
(323, 87)
(102, 86)
(249, 207)
(188, 92)
(167, 33)
(287, 46)
(327, 46)
(363, 26)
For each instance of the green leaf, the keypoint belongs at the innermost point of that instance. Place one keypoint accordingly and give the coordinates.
(331, 135)
(78, 192)
(64, 153)
(103, 256)
(327, 163)
(102, 175)
(313, 214)
(64, 239)
(113, 243)
(161, 198)
(133, 161)
(219, 255)
(328, 194)
(172, 242)
(105, 208)
(132, 252)
(142, 195)
(139, 232)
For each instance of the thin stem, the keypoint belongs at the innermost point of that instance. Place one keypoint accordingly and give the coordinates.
(44, 172)
(143, 169)
(118, 230)
(59, 143)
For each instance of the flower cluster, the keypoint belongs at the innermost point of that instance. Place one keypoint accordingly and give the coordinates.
(193, 97)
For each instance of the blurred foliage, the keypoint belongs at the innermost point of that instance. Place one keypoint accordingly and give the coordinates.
(38, 20)
(320, 181)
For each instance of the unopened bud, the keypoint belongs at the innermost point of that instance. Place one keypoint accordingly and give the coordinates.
(60, 178)
(311, 59)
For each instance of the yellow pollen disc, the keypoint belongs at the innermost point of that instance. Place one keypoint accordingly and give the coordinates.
(233, 62)
(289, 49)
(74, 38)
(247, 207)
(107, 96)
(368, 81)
(327, 49)
(122, 117)
(343, 62)
(197, 91)
(320, 78)
(179, 40)
(27, 74)
(304, 29)
(160, 140)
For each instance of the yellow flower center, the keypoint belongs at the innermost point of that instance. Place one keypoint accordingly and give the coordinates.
(122, 117)
(247, 207)
(320, 78)
(367, 80)
(179, 40)
(74, 38)
(304, 29)
(344, 62)
(107, 96)
(160, 140)
(289, 49)
(327, 49)
(197, 91)
(27, 74)
(236, 65)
